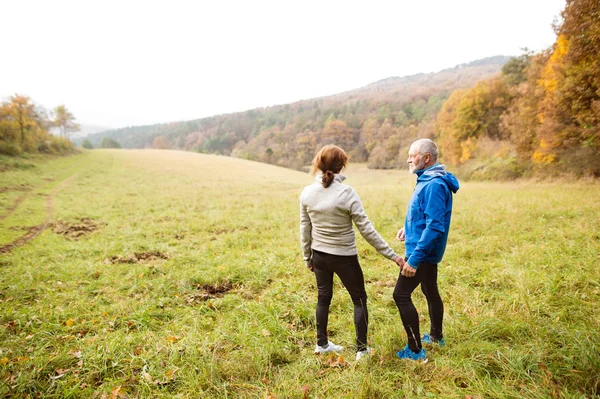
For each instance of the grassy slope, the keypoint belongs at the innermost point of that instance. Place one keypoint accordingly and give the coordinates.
(520, 282)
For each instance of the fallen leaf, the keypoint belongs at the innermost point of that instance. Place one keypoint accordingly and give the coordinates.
(117, 392)
(173, 339)
(305, 391)
(171, 373)
(335, 361)
(147, 376)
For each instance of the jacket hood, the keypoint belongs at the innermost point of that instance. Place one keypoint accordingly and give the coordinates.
(438, 171)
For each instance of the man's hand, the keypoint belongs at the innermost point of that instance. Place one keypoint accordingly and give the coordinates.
(408, 270)
(310, 266)
(400, 236)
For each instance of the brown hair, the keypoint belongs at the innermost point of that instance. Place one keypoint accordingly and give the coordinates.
(330, 159)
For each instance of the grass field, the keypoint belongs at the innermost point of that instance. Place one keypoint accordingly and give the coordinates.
(162, 274)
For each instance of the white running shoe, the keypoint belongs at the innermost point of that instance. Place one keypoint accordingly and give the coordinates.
(363, 354)
(330, 347)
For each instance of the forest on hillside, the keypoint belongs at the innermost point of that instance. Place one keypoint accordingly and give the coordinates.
(373, 123)
(496, 118)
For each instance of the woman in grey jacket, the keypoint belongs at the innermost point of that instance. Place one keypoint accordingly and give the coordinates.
(327, 209)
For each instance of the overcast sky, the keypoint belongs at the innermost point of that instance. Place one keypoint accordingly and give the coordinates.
(120, 63)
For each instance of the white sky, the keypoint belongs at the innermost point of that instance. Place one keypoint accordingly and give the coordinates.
(119, 63)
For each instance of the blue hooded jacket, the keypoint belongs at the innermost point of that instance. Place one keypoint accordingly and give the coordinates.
(428, 216)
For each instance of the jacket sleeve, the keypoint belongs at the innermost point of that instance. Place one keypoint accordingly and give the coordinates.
(435, 199)
(366, 229)
(305, 232)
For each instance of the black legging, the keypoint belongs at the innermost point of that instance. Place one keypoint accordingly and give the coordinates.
(348, 270)
(426, 276)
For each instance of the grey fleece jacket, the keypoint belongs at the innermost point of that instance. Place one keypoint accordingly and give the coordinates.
(326, 216)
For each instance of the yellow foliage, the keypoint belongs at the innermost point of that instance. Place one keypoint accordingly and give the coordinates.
(468, 147)
(550, 73)
(543, 158)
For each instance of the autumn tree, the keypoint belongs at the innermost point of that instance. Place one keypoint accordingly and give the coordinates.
(19, 116)
(576, 97)
(161, 143)
(337, 132)
(64, 121)
(469, 115)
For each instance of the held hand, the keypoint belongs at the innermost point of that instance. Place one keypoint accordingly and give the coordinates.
(408, 270)
(400, 236)
(310, 266)
(399, 261)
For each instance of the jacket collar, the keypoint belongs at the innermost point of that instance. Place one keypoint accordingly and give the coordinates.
(336, 177)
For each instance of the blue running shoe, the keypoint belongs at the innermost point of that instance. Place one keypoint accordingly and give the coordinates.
(428, 340)
(406, 353)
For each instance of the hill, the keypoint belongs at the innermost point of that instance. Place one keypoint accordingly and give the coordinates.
(372, 123)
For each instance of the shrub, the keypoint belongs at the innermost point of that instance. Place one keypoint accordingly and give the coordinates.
(11, 149)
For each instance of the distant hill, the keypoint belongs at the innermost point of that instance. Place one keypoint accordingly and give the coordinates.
(463, 75)
(87, 130)
(372, 122)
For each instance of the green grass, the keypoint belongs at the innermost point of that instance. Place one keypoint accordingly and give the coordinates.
(89, 317)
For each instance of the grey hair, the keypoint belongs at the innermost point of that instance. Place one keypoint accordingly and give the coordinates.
(427, 146)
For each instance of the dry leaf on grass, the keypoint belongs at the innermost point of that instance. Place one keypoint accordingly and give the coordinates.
(305, 391)
(117, 392)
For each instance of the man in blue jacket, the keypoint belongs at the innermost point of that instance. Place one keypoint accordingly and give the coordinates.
(425, 233)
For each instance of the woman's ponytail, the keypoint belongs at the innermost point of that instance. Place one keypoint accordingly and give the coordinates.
(327, 178)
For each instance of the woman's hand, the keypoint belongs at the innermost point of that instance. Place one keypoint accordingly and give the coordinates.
(310, 266)
(399, 261)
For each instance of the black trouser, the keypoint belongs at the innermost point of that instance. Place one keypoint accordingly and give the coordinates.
(426, 276)
(348, 270)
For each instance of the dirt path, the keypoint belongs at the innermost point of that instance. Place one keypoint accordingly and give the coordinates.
(34, 231)
(19, 199)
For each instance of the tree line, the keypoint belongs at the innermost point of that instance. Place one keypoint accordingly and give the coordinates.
(26, 127)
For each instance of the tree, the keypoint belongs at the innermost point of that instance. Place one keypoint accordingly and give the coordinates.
(514, 71)
(109, 143)
(65, 121)
(161, 143)
(337, 132)
(578, 88)
(471, 114)
(21, 114)
(87, 144)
